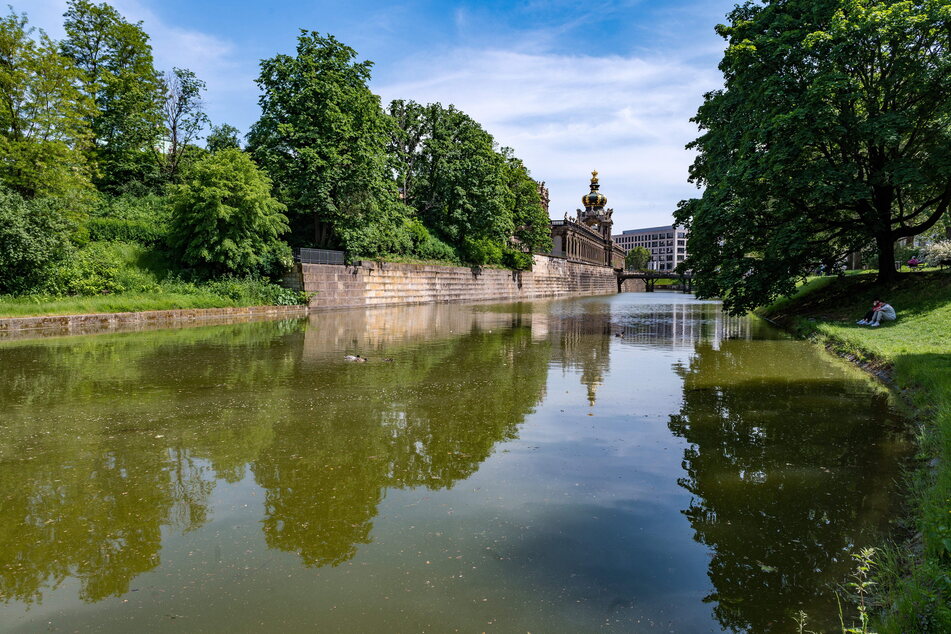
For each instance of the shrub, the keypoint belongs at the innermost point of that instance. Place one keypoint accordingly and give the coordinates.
(224, 219)
(95, 269)
(425, 245)
(120, 230)
(517, 260)
(251, 290)
(935, 253)
(34, 239)
(482, 251)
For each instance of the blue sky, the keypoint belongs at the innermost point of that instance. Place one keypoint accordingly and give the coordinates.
(571, 86)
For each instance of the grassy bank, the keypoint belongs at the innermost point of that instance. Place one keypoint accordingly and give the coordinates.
(117, 277)
(915, 577)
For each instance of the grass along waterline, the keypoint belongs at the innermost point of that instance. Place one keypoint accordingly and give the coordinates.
(914, 589)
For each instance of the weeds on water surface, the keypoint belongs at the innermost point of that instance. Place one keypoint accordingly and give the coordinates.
(857, 591)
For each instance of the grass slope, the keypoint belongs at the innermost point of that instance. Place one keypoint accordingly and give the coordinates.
(915, 579)
(117, 277)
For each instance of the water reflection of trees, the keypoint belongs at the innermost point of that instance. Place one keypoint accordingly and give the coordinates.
(95, 458)
(427, 420)
(789, 473)
(107, 440)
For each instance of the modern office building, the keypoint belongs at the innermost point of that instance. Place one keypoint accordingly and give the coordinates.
(667, 244)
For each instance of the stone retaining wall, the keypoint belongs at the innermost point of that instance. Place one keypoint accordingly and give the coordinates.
(15, 327)
(387, 284)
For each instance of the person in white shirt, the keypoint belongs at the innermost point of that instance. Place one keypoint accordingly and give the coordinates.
(885, 312)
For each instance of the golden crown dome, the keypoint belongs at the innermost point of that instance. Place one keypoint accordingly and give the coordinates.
(594, 198)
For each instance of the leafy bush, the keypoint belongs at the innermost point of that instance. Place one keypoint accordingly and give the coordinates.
(34, 239)
(224, 219)
(427, 246)
(120, 230)
(251, 290)
(482, 251)
(935, 253)
(517, 260)
(95, 269)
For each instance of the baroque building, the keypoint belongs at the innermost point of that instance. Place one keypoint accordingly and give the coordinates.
(586, 237)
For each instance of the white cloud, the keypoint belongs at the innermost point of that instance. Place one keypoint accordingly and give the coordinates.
(627, 117)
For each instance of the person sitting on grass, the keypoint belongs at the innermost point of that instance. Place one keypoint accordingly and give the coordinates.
(885, 312)
(865, 321)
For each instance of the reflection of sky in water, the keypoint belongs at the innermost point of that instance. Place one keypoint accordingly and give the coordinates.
(401, 472)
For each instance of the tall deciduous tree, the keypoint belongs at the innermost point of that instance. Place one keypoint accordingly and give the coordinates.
(184, 116)
(532, 226)
(42, 115)
(119, 77)
(833, 130)
(322, 137)
(452, 175)
(224, 219)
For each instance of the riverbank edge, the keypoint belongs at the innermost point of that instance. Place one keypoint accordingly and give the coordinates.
(91, 323)
(906, 579)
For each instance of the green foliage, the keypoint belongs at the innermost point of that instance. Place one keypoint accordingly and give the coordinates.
(517, 260)
(427, 246)
(43, 132)
(532, 224)
(34, 239)
(480, 201)
(224, 219)
(92, 270)
(482, 251)
(119, 230)
(223, 137)
(118, 76)
(322, 139)
(637, 258)
(126, 218)
(452, 176)
(831, 132)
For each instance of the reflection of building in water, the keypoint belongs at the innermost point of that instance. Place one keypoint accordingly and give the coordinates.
(682, 325)
(583, 342)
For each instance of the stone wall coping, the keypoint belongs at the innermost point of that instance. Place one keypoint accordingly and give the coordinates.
(87, 321)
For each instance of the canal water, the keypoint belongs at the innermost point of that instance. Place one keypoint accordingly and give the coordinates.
(639, 462)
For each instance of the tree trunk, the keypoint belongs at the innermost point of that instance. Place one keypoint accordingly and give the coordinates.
(886, 258)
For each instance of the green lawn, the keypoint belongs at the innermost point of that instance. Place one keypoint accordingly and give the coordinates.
(916, 578)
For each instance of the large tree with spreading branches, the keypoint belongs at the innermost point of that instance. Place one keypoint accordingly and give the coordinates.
(832, 132)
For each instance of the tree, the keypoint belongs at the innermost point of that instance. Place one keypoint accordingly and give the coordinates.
(223, 137)
(224, 219)
(453, 177)
(118, 76)
(637, 258)
(832, 131)
(530, 219)
(42, 128)
(184, 115)
(322, 138)
(34, 240)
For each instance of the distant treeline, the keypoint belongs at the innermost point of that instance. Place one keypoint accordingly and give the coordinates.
(99, 148)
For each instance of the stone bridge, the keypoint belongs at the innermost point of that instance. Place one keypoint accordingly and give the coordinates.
(650, 279)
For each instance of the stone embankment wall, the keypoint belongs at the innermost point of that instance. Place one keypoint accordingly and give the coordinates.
(18, 327)
(387, 284)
